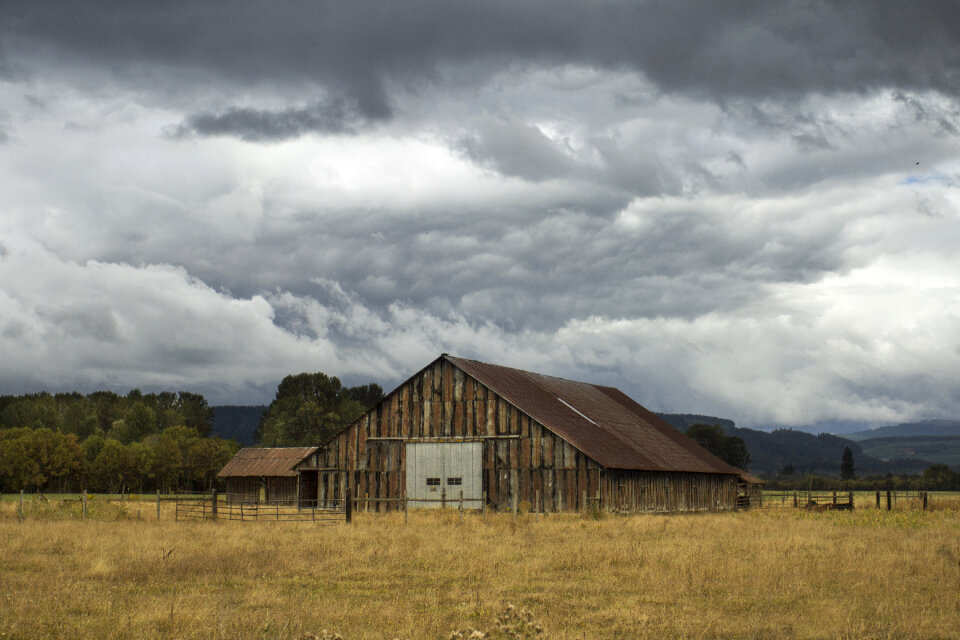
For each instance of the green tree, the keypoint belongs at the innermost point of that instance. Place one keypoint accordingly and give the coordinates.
(121, 431)
(205, 458)
(18, 469)
(80, 418)
(196, 413)
(939, 477)
(57, 455)
(168, 462)
(145, 463)
(109, 408)
(170, 448)
(140, 421)
(309, 408)
(730, 449)
(114, 467)
(847, 471)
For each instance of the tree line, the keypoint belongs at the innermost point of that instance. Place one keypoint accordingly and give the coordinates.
(936, 477)
(104, 441)
(140, 442)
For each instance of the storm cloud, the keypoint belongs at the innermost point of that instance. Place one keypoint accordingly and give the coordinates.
(749, 209)
(260, 125)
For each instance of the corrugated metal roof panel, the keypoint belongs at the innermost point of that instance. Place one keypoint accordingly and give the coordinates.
(273, 462)
(602, 422)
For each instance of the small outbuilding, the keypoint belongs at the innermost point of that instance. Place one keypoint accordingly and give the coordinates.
(509, 438)
(273, 470)
(750, 491)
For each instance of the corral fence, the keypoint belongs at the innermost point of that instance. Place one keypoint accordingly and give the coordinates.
(815, 500)
(214, 505)
(843, 500)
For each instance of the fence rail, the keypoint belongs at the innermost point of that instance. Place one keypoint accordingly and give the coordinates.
(842, 499)
(808, 500)
(220, 506)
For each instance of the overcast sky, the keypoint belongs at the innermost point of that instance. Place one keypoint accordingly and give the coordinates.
(743, 209)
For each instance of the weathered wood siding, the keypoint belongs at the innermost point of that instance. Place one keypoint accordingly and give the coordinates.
(243, 489)
(631, 491)
(520, 456)
(281, 490)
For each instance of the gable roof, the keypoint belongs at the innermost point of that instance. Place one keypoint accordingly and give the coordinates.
(257, 462)
(602, 422)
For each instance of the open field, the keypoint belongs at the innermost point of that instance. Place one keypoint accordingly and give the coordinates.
(772, 574)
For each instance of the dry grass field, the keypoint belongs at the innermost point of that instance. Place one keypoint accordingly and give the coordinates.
(763, 574)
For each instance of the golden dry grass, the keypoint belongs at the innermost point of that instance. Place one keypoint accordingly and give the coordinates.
(782, 574)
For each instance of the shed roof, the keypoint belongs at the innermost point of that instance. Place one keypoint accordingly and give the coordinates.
(257, 462)
(602, 422)
(749, 478)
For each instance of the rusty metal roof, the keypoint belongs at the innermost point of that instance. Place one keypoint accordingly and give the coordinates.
(257, 462)
(602, 422)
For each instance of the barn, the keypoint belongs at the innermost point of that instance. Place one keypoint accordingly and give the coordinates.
(275, 470)
(504, 437)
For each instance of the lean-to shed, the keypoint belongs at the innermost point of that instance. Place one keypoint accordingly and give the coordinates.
(509, 437)
(273, 469)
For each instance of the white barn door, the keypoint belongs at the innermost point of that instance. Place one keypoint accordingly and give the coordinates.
(444, 469)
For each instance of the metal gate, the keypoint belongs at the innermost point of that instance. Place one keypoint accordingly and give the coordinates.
(442, 473)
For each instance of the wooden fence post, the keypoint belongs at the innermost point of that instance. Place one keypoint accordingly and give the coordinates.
(404, 509)
(20, 507)
(924, 500)
(83, 511)
(348, 508)
(514, 505)
(850, 496)
(889, 503)
(213, 505)
(796, 499)
(878, 498)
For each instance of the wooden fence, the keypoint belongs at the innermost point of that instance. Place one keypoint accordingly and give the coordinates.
(221, 506)
(819, 500)
(843, 499)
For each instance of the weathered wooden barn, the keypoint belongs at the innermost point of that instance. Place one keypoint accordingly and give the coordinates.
(272, 469)
(510, 437)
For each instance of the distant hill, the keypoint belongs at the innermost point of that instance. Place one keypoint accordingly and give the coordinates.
(683, 421)
(911, 429)
(237, 423)
(771, 451)
(938, 449)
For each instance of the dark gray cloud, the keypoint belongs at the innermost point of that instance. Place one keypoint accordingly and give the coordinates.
(363, 50)
(516, 149)
(260, 125)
